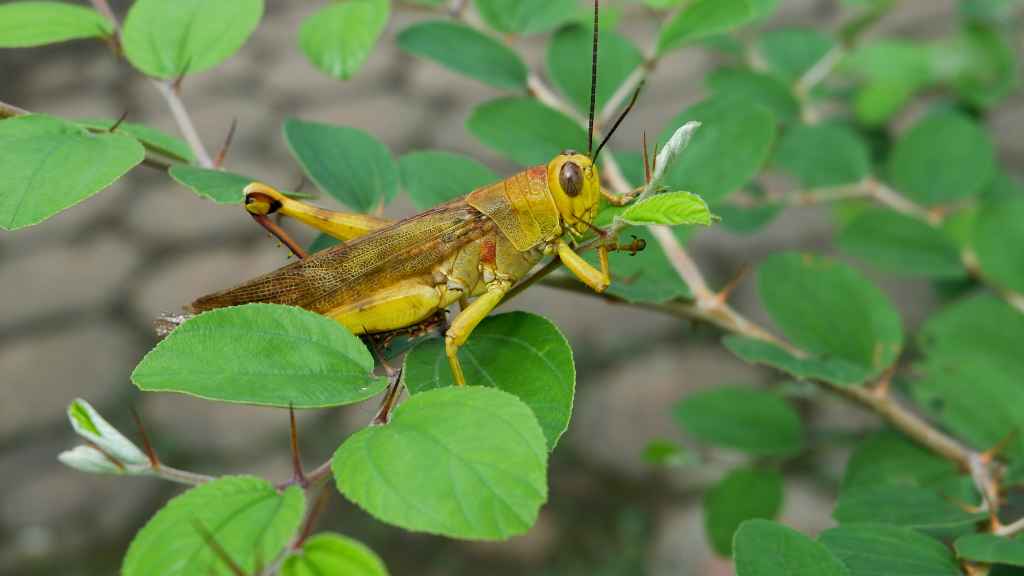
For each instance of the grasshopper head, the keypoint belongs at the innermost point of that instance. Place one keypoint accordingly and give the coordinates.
(576, 188)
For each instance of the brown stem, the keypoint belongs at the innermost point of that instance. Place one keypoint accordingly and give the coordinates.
(297, 474)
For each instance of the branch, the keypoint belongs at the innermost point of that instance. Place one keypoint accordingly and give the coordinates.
(817, 73)
(184, 121)
(539, 90)
(886, 196)
(180, 476)
(970, 262)
(10, 110)
(1011, 529)
(713, 307)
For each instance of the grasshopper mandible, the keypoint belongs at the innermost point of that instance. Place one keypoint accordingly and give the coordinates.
(392, 275)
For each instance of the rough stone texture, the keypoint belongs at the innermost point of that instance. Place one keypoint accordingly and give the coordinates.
(81, 290)
(43, 373)
(628, 405)
(57, 280)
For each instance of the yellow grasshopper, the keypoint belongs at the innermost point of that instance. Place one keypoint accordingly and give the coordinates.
(391, 275)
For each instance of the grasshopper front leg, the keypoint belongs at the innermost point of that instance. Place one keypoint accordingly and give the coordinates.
(620, 199)
(598, 280)
(467, 319)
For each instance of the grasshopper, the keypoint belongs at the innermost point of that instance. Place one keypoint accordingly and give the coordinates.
(388, 276)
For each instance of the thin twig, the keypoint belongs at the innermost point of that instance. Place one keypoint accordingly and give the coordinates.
(181, 476)
(549, 98)
(184, 121)
(103, 7)
(10, 110)
(886, 196)
(970, 262)
(1011, 529)
(817, 73)
(684, 266)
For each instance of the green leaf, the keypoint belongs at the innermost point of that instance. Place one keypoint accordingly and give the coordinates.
(987, 12)
(754, 421)
(568, 52)
(217, 185)
(662, 4)
(747, 220)
(339, 37)
(48, 165)
(743, 494)
(347, 163)
(432, 177)
(169, 38)
(152, 138)
(943, 158)
(823, 155)
(980, 63)
(998, 236)
(900, 244)
(646, 276)
(329, 553)
(524, 130)
(248, 518)
(887, 458)
(520, 353)
(791, 52)
(670, 209)
(982, 327)
(831, 369)
(704, 18)
(893, 72)
(808, 296)
(526, 17)
(730, 148)
(26, 24)
(757, 88)
(972, 369)
(262, 354)
(668, 454)
(990, 549)
(874, 549)
(322, 242)
(910, 506)
(766, 548)
(1003, 187)
(461, 462)
(467, 51)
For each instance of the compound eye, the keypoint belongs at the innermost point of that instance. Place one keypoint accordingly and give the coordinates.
(570, 177)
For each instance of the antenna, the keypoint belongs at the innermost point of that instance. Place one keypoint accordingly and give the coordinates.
(608, 136)
(593, 88)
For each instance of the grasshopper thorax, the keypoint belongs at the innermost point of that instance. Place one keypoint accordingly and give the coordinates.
(576, 188)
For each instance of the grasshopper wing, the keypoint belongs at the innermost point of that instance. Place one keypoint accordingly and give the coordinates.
(341, 274)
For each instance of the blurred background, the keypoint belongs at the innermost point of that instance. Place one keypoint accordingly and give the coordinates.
(80, 292)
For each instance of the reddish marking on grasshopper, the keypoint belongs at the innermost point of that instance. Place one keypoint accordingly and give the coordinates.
(488, 252)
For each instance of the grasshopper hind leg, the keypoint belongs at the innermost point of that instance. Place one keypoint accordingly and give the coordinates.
(402, 304)
(263, 200)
